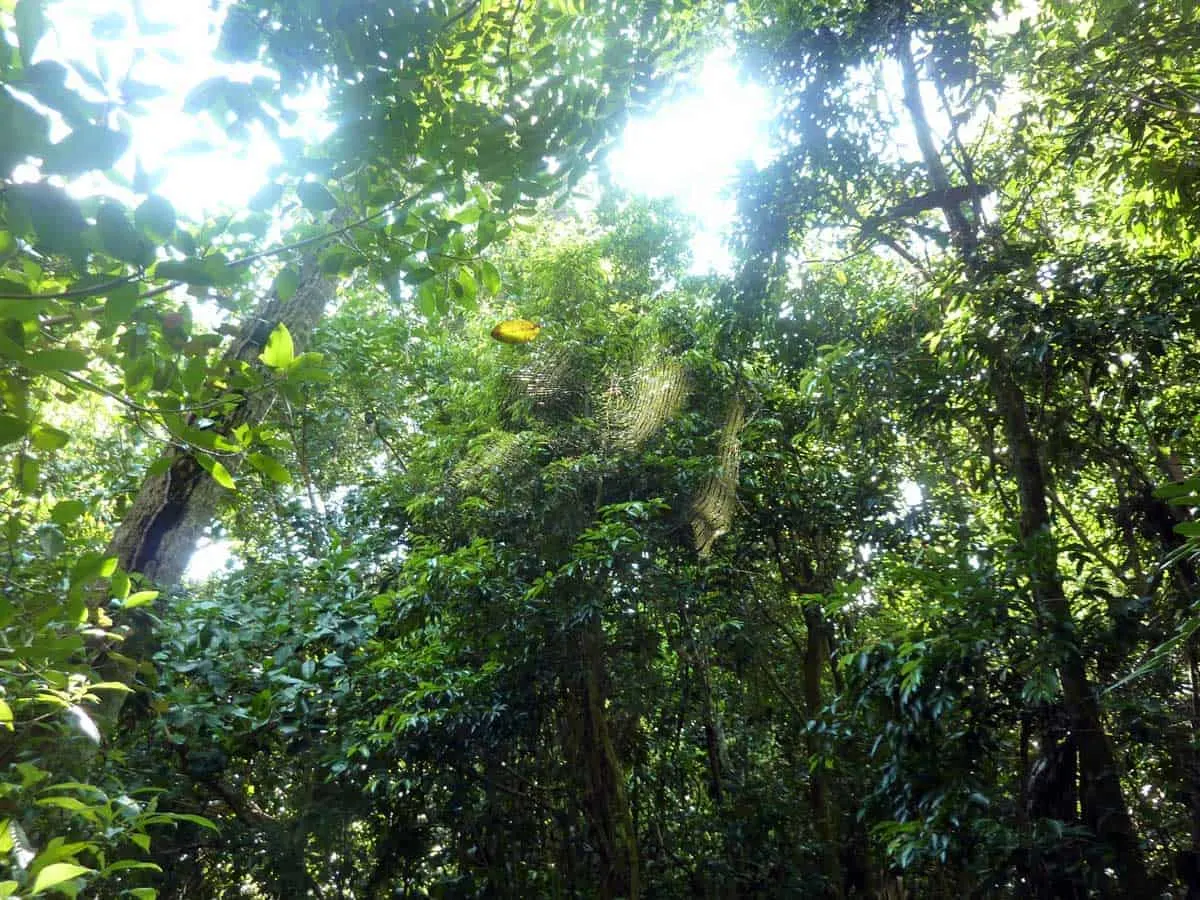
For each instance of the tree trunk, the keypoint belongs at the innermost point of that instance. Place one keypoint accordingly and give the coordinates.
(1103, 801)
(604, 799)
(159, 532)
(816, 652)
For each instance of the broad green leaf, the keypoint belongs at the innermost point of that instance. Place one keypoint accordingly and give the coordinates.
(48, 439)
(12, 429)
(280, 352)
(195, 820)
(67, 511)
(286, 283)
(270, 467)
(119, 238)
(8, 889)
(490, 276)
(27, 472)
(315, 196)
(56, 360)
(117, 686)
(221, 476)
(6, 715)
(467, 215)
(268, 196)
(119, 585)
(71, 804)
(140, 598)
(120, 304)
(156, 216)
(466, 288)
(55, 874)
(55, 217)
(92, 565)
(87, 148)
(130, 865)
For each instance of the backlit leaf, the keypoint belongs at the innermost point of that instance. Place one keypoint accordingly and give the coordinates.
(280, 352)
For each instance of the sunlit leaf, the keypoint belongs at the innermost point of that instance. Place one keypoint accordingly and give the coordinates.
(55, 874)
(270, 467)
(139, 598)
(280, 352)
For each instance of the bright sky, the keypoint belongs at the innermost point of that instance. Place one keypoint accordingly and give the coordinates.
(690, 149)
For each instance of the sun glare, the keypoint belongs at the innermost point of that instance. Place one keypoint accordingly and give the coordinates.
(691, 148)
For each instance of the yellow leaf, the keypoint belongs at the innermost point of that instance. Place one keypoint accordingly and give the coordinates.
(516, 331)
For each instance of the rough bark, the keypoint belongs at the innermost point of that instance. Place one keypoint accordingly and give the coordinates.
(160, 530)
(801, 579)
(604, 799)
(1102, 798)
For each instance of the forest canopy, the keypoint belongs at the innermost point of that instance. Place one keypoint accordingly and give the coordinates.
(566, 559)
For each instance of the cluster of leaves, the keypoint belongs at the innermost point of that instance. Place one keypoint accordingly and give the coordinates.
(940, 635)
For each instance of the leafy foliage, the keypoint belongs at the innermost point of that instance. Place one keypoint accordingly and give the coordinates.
(866, 570)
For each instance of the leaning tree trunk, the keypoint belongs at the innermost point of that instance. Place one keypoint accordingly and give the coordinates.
(159, 532)
(1103, 799)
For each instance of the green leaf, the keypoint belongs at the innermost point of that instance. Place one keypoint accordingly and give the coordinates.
(120, 304)
(49, 439)
(207, 272)
(92, 565)
(280, 352)
(270, 467)
(221, 475)
(55, 874)
(6, 716)
(12, 429)
(119, 238)
(55, 217)
(118, 585)
(286, 283)
(140, 598)
(1188, 529)
(195, 820)
(155, 215)
(315, 196)
(85, 149)
(490, 276)
(67, 511)
(56, 361)
(467, 215)
(466, 289)
(31, 26)
(27, 473)
(7, 889)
